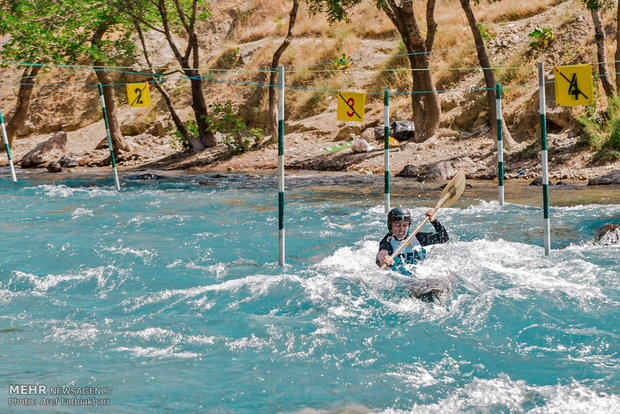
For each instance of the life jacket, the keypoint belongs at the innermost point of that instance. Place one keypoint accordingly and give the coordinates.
(411, 254)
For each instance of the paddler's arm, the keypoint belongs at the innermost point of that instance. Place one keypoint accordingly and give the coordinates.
(383, 258)
(440, 235)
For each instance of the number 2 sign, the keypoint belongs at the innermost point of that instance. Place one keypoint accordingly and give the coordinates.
(138, 94)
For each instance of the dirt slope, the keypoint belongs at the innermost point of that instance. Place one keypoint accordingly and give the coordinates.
(464, 140)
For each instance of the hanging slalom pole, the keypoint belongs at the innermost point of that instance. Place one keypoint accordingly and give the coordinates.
(545, 174)
(386, 138)
(281, 231)
(500, 147)
(107, 129)
(8, 149)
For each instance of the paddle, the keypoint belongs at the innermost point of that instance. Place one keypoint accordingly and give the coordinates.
(448, 196)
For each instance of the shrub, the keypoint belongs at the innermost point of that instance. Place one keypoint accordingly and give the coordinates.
(236, 135)
(544, 37)
(178, 141)
(602, 131)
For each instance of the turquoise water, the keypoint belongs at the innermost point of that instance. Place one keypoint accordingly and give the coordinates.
(168, 297)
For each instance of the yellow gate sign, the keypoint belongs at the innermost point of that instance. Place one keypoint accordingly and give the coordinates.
(573, 85)
(351, 106)
(138, 94)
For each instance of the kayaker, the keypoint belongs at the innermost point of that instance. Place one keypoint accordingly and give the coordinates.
(398, 223)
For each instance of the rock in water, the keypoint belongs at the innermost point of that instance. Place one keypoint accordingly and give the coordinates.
(54, 167)
(428, 289)
(608, 234)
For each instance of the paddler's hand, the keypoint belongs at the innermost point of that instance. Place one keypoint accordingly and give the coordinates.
(431, 214)
(387, 261)
(384, 259)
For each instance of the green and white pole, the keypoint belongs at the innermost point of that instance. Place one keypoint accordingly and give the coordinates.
(281, 231)
(500, 146)
(8, 149)
(107, 129)
(386, 137)
(545, 168)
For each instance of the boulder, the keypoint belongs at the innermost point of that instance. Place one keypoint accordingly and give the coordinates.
(368, 134)
(411, 171)
(608, 234)
(347, 130)
(47, 151)
(67, 161)
(480, 130)
(443, 170)
(54, 166)
(612, 177)
(536, 181)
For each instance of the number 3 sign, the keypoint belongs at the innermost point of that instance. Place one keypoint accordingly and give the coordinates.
(351, 106)
(138, 94)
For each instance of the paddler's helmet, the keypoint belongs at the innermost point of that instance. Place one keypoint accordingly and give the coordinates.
(398, 214)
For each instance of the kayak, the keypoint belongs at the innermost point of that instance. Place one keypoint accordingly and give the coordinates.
(428, 290)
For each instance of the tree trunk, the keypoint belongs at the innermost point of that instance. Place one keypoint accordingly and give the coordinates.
(205, 135)
(189, 61)
(617, 56)
(425, 99)
(489, 76)
(600, 49)
(275, 62)
(23, 102)
(191, 138)
(110, 105)
(108, 95)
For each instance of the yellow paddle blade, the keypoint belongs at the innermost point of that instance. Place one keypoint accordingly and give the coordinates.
(453, 190)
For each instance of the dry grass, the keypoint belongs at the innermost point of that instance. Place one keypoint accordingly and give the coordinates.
(511, 10)
(399, 78)
(316, 43)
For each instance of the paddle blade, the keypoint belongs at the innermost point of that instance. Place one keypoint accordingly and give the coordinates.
(453, 190)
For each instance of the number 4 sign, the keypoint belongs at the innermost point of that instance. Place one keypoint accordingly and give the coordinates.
(138, 94)
(351, 106)
(573, 85)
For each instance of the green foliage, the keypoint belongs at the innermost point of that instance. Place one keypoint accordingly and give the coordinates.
(486, 35)
(343, 63)
(180, 142)
(236, 135)
(60, 32)
(603, 131)
(530, 151)
(598, 4)
(336, 10)
(38, 32)
(229, 59)
(544, 37)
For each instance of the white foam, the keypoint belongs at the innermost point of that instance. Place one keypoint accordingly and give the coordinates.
(251, 341)
(258, 285)
(159, 353)
(42, 284)
(84, 333)
(144, 254)
(82, 212)
(502, 394)
(63, 191)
